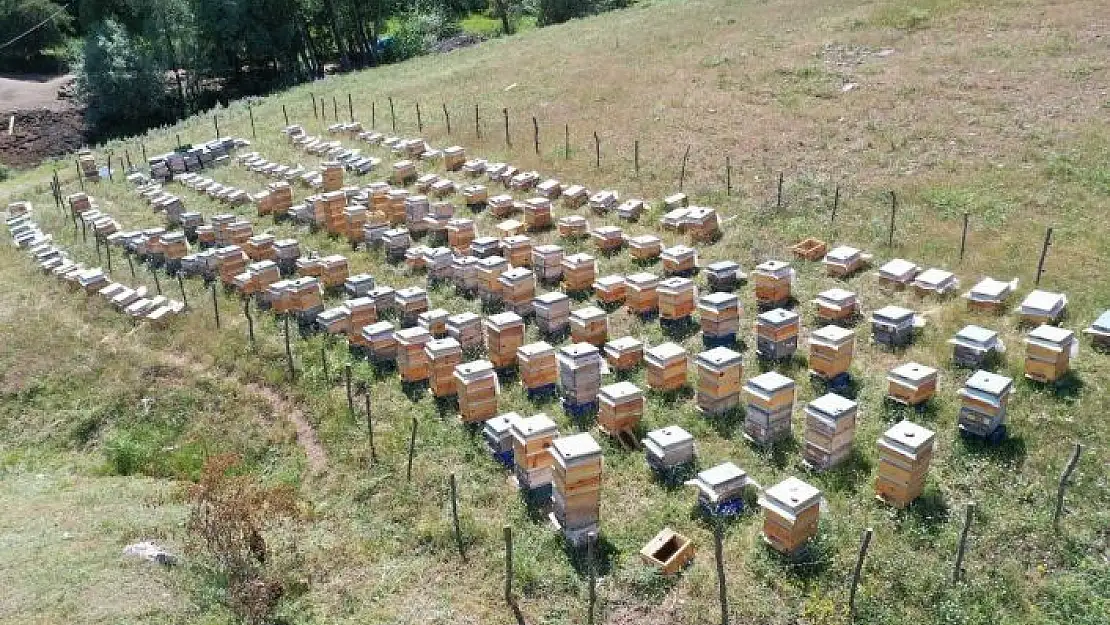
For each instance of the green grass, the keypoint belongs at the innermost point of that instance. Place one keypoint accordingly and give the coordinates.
(74, 376)
(489, 26)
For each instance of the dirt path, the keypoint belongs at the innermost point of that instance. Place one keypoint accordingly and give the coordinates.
(306, 434)
(31, 91)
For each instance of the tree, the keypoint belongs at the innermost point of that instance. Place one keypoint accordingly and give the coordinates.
(39, 27)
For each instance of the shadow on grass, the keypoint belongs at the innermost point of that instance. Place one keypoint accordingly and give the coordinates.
(605, 555)
(414, 390)
(849, 475)
(844, 385)
(447, 405)
(926, 411)
(1011, 449)
(679, 329)
(675, 397)
(930, 511)
(729, 423)
(672, 478)
(609, 307)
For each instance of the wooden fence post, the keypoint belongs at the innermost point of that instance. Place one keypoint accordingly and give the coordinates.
(216, 305)
(350, 395)
(250, 321)
(419, 119)
(597, 149)
(447, 118)
(392, 114)
(508, 532)
(682, 174)
(536, 134)
(963, 237)
(865, 542)
(412, 450)
(250, 112)
(1072, 462)
(180, 285)
(722, 589)
(508, 140)
(1044, 253)
(455, 516)
(289, 349)
(370, 428)
(893, 213)
(285, 114)
(350, 107)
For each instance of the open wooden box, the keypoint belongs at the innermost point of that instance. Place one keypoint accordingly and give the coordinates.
(669, 551)
(811, 249)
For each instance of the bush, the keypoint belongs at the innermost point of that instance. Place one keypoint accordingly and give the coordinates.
(559, 11)
(5, 173)
(417, 32)
(36, 50)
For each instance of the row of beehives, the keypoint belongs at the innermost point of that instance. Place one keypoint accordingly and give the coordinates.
(92, 280)
(194, 158)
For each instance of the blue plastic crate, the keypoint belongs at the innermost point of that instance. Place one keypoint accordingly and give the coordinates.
(726, 508)
(505, 458)
(541, 391)
(725, 340)
(580, 409)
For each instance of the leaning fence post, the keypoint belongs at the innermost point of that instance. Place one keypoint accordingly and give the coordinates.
(250, 321)
(216, 305)
(961, 547)
(447, 118)
(682, 174)
(351, 107)
(508, 141)
(370, 428)
(419, 119)
(455, 517)
(591, 568)
(778, 201)
(180, 285)
(412, 450)
(722, 588)
(285, 114)
(893, 212)
(392, 114)
(536, 134)
(288, 349)
(963, 237)
(1072, 462)
(597, 149)
(865, 542)
(1044, 253)
(508, 532)
(350, 396)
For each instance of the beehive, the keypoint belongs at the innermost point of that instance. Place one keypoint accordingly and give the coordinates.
(1099, 331)
(453, 158)
(641, 293)
(666, 367)
(720, 371)
(552, 311)
(791, 514)
(579, 376)
(503, 334)
(630, 210)
(836, 306)
(829, 430)
(911, 383)
(334, 320)
(498, 436)
(609, 289)
(973, 346)
(547, 262)
(396, 241)
(721, 489)
(500, 205)
(769, 399)
(574, 196)
(477, 388)
(333, 271)
(518, 287)
(898, 273)
(412, 360)
(443, 355)
(573, 226)
(677, 298)
(380, 342)
(776, 333)
(773, 280)
(416, 209)
(719, 316)
(608, 239)
(518, 250)
(550, 189)
(679, 260)
(509, 228)
(723, 276)
(1040, 307)
(460, 233)
(524, 181)
(624, 353)
(532, 440)
(434, 321)
(983, 401)
(437, 261)
(537, 213)
(892, 326)
(466, 328)
(403, 173)
(589, 325)
(489, 277)
(677, 200)
(936, 282)
(905, 451)
(703, 224)
(645, 247)
(475, 196)
(538, 367)
(1048, 352)
(830, 352)
(474, 167)
(579, 272)
(990, 295)
(576, 485)
(843, 261)
(362, 312)
(385, 298)
(332, 173)
(669, 448)
(620, 407)
(394, 207)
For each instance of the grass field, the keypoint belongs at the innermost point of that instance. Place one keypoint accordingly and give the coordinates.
(992, 108)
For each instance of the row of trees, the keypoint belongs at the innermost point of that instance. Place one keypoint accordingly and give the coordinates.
(146, 62)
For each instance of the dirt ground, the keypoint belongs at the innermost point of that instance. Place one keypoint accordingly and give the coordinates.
(45, 124)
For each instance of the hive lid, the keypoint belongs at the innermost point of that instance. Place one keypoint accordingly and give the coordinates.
(1051, 334)
(462, 318)
(474, 368)
(381, 327)
(536, 349)
(679, 251)
(666, 351)
(778, 317)
(575, 448)
(839, 297)
(578, 350)
(989, 289)
(724, 474)
(719, 300)
(552, 297)
(774, 267)
(413, 335)
(719, 357)
(621, 390)
(505, 319)
(412, 292)
(831, 335)
(543, 250)
(517, 273)
(578, 259)
(676, 284)
(670, 438)
(1102, 324)
(934, 278)
(1043, 302)
(843, 253)
(610, 280)
(588, 312)
(898, 268)
(833, 406)
(642, 277)
(976, 335)
(643, 239)
(501, 424)
(989, 383)
(536, 426)
(442, 346)
(790, 497)
(908, 437)
(770, 382)
(625, 343)
(893, 315)
(913, 372)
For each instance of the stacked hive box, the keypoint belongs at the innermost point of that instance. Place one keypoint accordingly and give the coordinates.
(589, 325)
(989, 295)
(679, 260)
(579, 376)
(1041, 307)
(518, 249)
(334, 320)
(230, 262)
(608, 239)
(385, 298)
(504, 333)
(464, 273)
(443, 356)
(934, 281)
(509, 228)
(532, 440)
(380, 342)
(466, 328)
(1048, 352)
(905, 451)
(579, 272)
(394, 206)
(974, 345)
(537, 213)
(773, 281)
(776, 333)
(332, 173)
(363, 313)
(723, 276)
(404, 173)
(489, 276)
(791, 513)
(719, 315)
(898, 273)
(396, 241)
(434, 321)
(669, 448)
(620, 407)
(836, 306)
(416, 209)
(911, 384)
(703, 224)
(518, 287)
(983, 405)
(770, 402)
(475, 196)
(721, 489)
(539, 370)
(573, 226)
(258, 247)
(547, 262)
(645, 247)
(460, 233)
(720, 371)
(576, 480)
(624, 353)
(603, 201)
(411, 302)
(677, 298)
(830, 352)
(333, 271)
(497, 433)
(892, 326)
(843, 261)
(501, 205)
(609, 289)
(412, 360)
(552, 312)
(830, 428)
(477, 388)
(641, 293)
(666, 367)
(354, 218)
(453, 158)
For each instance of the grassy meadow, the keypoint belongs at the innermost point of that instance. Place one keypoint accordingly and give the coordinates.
(995, 109)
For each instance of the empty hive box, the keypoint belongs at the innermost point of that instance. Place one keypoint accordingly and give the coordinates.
(898, 273)
(990, 295)
(589, 325)
(666, 367)
(791, 514)
(983, 402)
(668, 551)
(539, 371)
(579, 377)
(669, 448)
(810, 249)
(892, 326)
(720, 371)
(721, 489)
(552, 311)
(477, 388)
(911, 383)
(576, 485)
(641, 293)
(532, 440)
(443, 356)
(776, 334)
(620, 407)
(677, 298)
(1048, 353)
(974, 345)
(829, 431)
(1042, 307)
(719, 316)
(624, 353)
(504, 333)
(836, 306)
(769, 399)
(905, 451)
(773, 280)
(579, 272)
(830, 352)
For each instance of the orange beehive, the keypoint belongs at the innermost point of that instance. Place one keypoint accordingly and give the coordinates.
(518, 250)
(537, 213)
(620, 408)
(477, 388)
(772, 281)
(412, 360)
(504, 333)
(624, 353)
(518, 287)
(579, 272)
(905, 451)
(538, 367)
(836, 306)
(573, 226)
(645, 247)
(641, 293)
(911, 384)
(460, 232)
(1048, 352)
(677, 298)
(830, 351)
(791, 513)
(443, 356)
(547, 262)
(666, 367)
(720, 371)
(679, 260)
(608, 239)
(609, 289)
(589, 325)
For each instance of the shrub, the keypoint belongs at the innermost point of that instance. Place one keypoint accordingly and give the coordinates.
(418, 31)
(5, 173)
(558, 11)
(43, 28)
